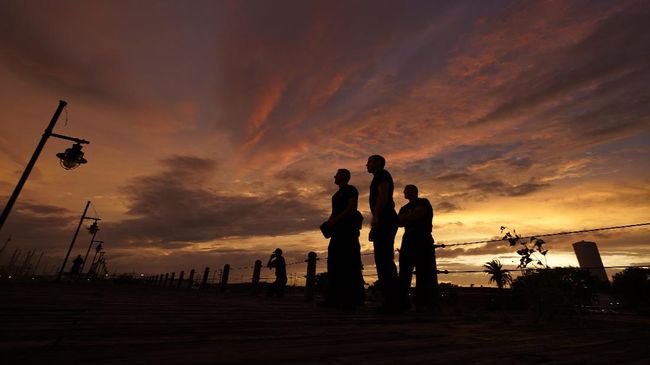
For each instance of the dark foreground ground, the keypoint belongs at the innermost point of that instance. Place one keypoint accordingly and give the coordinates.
(48, 323)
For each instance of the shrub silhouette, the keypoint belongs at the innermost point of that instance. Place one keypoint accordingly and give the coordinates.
(632, 287)
(551, 292)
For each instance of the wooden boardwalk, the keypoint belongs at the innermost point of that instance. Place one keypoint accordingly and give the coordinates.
(64, 323)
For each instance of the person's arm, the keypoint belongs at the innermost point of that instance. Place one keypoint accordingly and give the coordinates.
(350, 208)
(271, 262)
(382, 199)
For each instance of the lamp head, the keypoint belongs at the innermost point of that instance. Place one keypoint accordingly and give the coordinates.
(94, 228)
(72, 157)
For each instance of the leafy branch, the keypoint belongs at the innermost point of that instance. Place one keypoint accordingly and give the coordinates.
(531, 251)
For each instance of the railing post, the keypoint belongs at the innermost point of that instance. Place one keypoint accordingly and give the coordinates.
(171, 279)
(434, 300)
(204, 282)
(160, 281)
(256, 276)
(224, 277)
(190, 281)
(310, 283)
(180, 279)
(166, 280)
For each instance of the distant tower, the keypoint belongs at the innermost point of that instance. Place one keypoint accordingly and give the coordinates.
(589, 257)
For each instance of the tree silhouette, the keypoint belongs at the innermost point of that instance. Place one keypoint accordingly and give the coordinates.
(501, 277)
(498, 275)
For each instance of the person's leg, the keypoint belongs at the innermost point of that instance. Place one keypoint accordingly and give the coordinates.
(406, 265)
(386, 269)
(334, 271)
(423, 276)
(282, 283)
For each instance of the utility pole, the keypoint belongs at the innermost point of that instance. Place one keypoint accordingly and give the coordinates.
(74, 238)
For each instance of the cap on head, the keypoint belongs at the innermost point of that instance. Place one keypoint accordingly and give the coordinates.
(277, 251)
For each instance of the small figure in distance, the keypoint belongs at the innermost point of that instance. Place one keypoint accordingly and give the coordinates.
(382, 234)
(76, 265)
(276, 261)
(417, 250)
(345, 279)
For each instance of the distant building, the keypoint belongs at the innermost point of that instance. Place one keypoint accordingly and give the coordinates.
(589, 258)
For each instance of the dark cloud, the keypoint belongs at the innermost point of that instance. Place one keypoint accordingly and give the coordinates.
(41, 209)
(446, 207)
(174, 208)
(292, 175)
(42, 227)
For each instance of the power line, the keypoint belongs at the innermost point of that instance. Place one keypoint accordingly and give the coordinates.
(550, 268)
(547, 234)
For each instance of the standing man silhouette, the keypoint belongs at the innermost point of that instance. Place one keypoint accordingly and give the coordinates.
(417, 249)
(345, 280)
(277, 262)
(382, 234)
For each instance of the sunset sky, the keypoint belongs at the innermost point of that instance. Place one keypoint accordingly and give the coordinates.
(216, 127)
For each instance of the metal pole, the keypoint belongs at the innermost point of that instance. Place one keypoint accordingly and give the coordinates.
(31, 163)
(92, 240)
(37, 263)
(256, 275)
(181, 276)
(190, 280)
(204, 282)
(224, 277)
(310, 284)
(74, 238)
(93, 262)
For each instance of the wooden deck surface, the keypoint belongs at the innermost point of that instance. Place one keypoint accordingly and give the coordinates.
(65, 323)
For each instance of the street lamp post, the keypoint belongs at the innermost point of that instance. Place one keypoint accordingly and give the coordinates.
(88, 252)
(71, 158)
(98, 248)
(74, 238)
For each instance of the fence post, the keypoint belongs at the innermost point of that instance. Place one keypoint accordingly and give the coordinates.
(434, 290)
(224, 277)
(204, 282)
(190, 281)
(166, 280)
(180, 279)
(171, 279)
(256, 275)
(311, 276)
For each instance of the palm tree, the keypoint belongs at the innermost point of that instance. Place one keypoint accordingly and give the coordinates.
(501, 277)
(498, 274)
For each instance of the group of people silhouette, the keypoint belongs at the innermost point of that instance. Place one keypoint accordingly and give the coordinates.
(345, 289)
(344, 265)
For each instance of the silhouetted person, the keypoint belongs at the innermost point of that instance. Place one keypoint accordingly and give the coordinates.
(345, 280)
(417, 249)
(276, 261)
(382, 234)
(76, 265)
